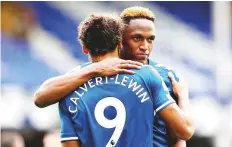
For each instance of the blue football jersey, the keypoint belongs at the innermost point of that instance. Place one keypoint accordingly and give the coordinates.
(114, 111)
(161, 138)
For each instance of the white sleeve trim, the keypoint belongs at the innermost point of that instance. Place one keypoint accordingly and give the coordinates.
(69, 138)
(164, 105)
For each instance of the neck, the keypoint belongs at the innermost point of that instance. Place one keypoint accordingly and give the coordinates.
(146, 62)
(108, 55)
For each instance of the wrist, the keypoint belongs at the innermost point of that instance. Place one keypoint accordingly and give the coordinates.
(95, 69)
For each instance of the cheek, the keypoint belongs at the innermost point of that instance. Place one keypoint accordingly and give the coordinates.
(133, 46)
(150, 47)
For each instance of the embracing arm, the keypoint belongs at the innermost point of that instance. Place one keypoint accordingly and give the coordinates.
(180, 89)
(177, 120)
(71, 143)
(180, 123)
(55, 89)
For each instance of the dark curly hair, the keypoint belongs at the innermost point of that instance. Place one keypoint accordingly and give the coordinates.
(100, 33)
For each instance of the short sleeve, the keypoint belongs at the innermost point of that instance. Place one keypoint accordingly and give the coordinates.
(67, 127)
(160, 93)
(175, 76)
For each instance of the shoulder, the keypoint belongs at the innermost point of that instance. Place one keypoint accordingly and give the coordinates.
(148, 72)
(158, 65)
(147, 69)
(162, 69)
(78, 67)
(74, 69)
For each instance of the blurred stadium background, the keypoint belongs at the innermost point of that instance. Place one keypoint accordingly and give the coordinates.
(38, 41)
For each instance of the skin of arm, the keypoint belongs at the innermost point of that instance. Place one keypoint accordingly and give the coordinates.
(177, 117)
(179, 122)
(181, 91)
(56, 88)
(71, 143)
(180, 143)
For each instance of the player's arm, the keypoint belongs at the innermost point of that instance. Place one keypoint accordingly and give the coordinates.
(56, 88)
(72, 143)
(180, 143)
(69, 137)
(180, 89)
(178, 121)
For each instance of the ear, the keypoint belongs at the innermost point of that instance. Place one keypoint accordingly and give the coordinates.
(85, 50)
(120, 45)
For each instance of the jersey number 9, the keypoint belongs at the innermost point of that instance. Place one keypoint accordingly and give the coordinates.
(118, 122)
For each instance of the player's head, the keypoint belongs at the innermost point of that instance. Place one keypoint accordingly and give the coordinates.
(100, 34)
(139, 33)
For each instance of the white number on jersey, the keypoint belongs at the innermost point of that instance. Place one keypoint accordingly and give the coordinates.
(118, 122)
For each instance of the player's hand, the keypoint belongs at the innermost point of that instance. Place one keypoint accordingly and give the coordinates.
(180, 88)
(113, 66)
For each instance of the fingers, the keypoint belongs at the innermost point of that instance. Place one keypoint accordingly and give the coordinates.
(134, 62)
(131, 62)
(183, 83)
(114, 66)
(172, 78)
(129, 66)
(125, 65)
(126, 71)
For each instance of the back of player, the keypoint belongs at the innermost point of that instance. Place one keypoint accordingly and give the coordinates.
(114, 111)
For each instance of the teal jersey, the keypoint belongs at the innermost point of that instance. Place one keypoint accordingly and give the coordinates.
(160, 136)
(114, 111)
